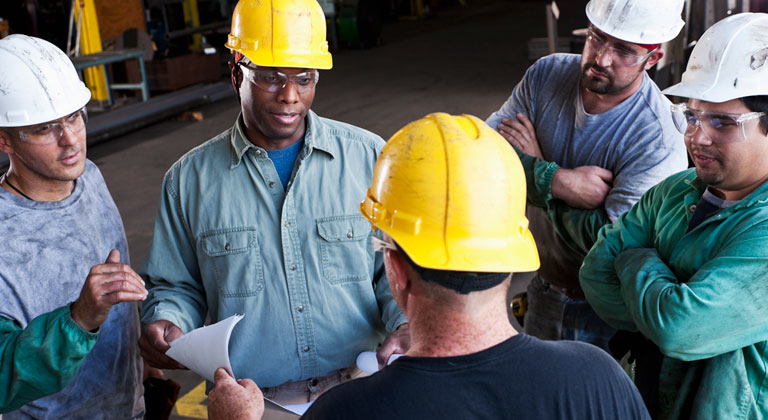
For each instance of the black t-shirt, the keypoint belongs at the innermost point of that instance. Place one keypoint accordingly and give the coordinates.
(520, 378)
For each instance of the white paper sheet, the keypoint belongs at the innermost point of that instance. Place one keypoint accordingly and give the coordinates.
(366, 361)
(205, 349)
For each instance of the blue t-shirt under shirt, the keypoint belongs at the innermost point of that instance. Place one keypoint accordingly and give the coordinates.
(284, 158)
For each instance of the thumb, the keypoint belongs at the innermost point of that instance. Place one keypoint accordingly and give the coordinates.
(221, 376)
(114, 257)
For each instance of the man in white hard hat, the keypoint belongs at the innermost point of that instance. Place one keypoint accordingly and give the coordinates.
(594, 133)
(262, 220)
(451, 278)
(687, 266)
(68, 321)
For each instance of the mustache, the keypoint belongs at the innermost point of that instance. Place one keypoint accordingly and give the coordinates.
(71, 151)
(598, 68)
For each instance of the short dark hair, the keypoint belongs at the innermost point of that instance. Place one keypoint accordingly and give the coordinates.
(758, 104)
(461, 282)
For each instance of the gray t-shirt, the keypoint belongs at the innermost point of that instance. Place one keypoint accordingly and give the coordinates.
(47, 250)
(636, 140)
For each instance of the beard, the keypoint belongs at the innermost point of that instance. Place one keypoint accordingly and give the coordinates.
(601, 86)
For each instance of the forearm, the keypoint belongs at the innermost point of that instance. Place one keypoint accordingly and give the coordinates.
(578, 228)
(40, 359)
(718, 310)
(538, 178)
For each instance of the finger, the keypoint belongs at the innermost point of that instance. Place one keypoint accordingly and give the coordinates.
(113, 257)
(221, 376)
(519, 130)
(248, 384)
(526, 122)
(384, 352)
(100, 279)
(111, 285)
(603, 173)
(113, 299)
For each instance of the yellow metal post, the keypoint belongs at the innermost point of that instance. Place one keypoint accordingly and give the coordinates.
(90, 42)
(192, 20)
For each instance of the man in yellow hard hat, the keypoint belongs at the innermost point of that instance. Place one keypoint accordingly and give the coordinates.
(262, 220)
(449, 194)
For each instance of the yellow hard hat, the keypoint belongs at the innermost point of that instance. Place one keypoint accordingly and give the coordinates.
(280, 33)
(451, 192)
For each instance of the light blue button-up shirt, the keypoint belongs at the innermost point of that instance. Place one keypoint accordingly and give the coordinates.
(297, 262)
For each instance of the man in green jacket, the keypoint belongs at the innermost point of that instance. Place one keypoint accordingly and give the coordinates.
(687, 266)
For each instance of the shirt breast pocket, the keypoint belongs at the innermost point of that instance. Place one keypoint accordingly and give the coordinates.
(233, 256)
(344, 249)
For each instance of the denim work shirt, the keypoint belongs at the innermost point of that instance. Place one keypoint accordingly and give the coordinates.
(297, 262)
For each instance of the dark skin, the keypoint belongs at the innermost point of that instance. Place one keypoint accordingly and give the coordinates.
(272, 120)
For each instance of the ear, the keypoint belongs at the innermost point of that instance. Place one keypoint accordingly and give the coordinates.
(235, 73)
(398, 270)
(5, 143)
(653, 59)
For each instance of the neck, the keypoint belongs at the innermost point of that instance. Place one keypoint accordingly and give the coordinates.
(597, 103)
(24, 187)
(259, 139)
(449, 332)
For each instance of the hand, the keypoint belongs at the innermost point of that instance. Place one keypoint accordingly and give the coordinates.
(106, 285)
(230, 400)
(397, 342)
(584, 187)
(151, 372)
(154, 342)
(521, 134)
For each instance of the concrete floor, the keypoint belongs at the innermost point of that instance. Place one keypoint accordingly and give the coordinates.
(464, 60)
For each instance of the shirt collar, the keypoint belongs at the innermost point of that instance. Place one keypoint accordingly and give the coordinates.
(314, 139)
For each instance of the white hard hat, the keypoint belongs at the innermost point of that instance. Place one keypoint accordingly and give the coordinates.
(730, 61)
(38, 82)
(638, 21)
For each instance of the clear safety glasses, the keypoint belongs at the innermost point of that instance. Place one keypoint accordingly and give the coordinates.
(717, 126)
(273, 80)
(380, 245)
(622, 56)
(51, 132)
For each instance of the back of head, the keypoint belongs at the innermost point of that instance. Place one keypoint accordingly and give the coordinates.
(730, 61)
(451, 192)
(280, 33)
(637, 21)
(38, 82)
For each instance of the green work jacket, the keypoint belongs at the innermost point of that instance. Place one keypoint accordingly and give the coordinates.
(40, 359)
(701, 296)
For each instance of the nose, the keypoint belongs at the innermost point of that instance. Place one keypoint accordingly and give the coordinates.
(697, 135)
(603, 56)
(67, 136)
(289, 93)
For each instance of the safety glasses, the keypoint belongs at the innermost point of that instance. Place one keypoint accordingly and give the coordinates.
(380, 245)
(51, 132)
(717, 126)
(620, 55)
(273, 80)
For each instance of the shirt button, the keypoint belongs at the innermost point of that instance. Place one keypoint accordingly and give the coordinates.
(227, 247)
(271, 185)
(287, 224)
(293, 266)
(300, 308)
(258, 153)
(349, 234)
(692, 208)
(306, 349)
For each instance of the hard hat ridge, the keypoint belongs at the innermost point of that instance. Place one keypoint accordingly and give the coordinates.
(38, 82)
(730, 61)
(451, 192)
(280, 33)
